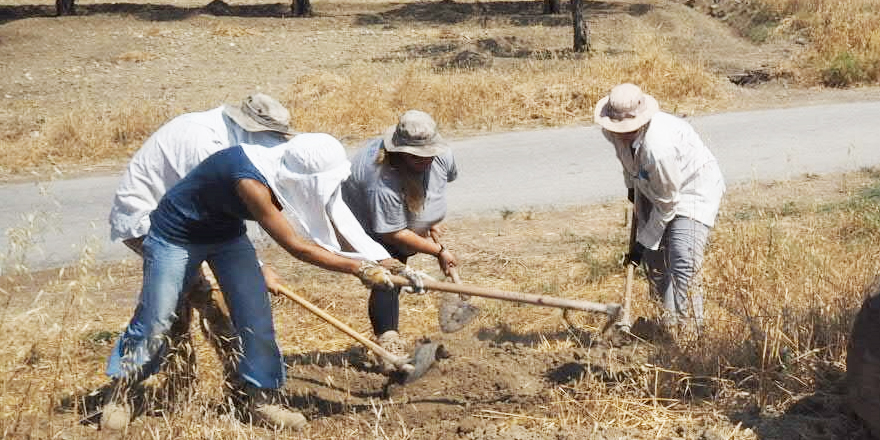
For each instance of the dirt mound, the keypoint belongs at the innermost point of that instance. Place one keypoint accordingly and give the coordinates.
(475, 393)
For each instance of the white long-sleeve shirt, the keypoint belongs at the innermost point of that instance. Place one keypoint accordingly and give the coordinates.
(166, 157)
(669, 165)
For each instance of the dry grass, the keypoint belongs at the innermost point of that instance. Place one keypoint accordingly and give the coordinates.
(82, 137)
(536, 84)
(784, 277)
(359, 100)
(843, 36)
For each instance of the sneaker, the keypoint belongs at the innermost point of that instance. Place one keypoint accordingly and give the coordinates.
(115, 416)
(266, 406)
(394, 344)
(116, 412)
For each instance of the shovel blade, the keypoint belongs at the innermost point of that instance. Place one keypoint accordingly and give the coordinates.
(423, 358)
(455, 314)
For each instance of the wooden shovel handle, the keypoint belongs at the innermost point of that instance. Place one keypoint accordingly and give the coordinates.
(453, 272)
(625, 312)
(399, 362)
(538, 300)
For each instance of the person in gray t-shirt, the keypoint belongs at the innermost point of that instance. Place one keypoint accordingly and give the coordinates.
(397, 190)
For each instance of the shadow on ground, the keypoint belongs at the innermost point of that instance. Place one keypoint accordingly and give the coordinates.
(823, 414)
(516, 13)
(150, 12)
(443, 12)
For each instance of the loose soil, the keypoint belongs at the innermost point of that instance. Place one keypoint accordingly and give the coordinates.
(512, 374)
(497, 382)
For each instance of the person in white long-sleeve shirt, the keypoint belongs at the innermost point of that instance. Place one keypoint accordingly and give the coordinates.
(165, 158)
(676, 185)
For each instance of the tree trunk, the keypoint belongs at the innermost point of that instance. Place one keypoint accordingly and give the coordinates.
(551, 6)
(581, 28)
(302, 8)
(64, 7)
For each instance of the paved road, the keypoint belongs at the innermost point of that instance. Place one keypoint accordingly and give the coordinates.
(515, 171)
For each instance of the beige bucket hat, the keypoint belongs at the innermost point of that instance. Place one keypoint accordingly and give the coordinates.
(625, 109)
(260, 112)
(416, 134)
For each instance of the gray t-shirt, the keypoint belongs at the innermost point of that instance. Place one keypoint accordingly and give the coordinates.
(373, 192)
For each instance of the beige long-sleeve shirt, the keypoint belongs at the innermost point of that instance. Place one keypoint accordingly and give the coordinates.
(168, 155)
(669, 165)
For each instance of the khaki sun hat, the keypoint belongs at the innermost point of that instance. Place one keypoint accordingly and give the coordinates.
(260, 112)
(625, 109)
(416, 134)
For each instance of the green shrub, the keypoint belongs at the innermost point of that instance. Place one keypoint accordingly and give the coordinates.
(844, 70)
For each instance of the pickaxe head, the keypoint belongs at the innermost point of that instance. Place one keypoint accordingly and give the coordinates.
(423, 358)
(455, 313)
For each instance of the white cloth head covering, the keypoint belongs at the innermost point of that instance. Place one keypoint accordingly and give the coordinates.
(306, 174)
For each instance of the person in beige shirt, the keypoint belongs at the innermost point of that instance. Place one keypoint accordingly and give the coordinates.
(676, 186)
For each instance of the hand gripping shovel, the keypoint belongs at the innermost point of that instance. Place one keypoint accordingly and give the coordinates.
(612, 310)
(408, 368)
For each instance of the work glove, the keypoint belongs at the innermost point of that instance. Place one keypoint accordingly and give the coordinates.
(415, 278)
(374, 275)
(631, 195)
(417, 284)
(634, 256)
(424, 276)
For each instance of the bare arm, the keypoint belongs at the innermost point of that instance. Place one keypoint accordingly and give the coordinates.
(408, 239)
(258, 199)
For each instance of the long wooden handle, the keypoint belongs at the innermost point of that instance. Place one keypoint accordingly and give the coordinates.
(625, 319)
(453, 272)
(399, 362)
(625, 312)
(538, 300)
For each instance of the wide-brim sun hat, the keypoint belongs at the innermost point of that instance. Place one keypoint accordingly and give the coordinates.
(260, 112)
(416, 134)
(305, 175)
(625, 109)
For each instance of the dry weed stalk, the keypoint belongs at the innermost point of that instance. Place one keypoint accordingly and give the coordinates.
(843, 37)
(781, 267)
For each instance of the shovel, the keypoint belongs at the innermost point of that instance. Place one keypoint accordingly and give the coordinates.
(408, 368)
(454, 312)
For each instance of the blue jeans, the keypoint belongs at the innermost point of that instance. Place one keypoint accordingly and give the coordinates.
(139, 352)
(673, 269)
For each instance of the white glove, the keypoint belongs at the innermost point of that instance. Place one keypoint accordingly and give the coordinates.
(415, 277)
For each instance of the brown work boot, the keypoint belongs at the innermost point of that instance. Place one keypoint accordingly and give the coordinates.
(394, 344)
(267, 407)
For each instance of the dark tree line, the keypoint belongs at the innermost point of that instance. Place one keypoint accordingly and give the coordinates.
(300, 8)
(303, 8)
